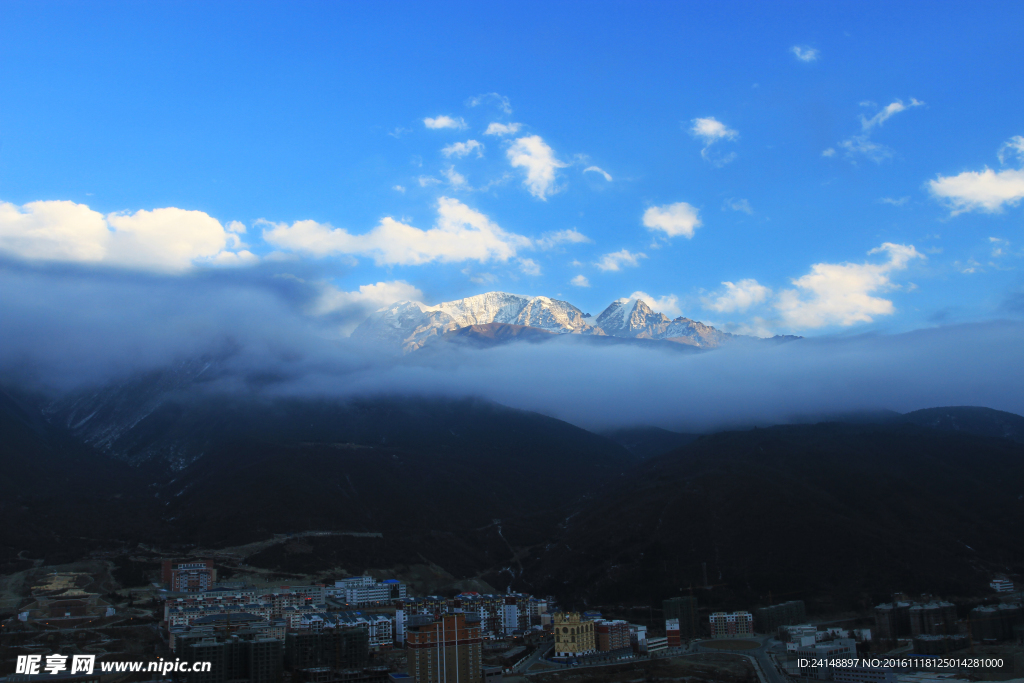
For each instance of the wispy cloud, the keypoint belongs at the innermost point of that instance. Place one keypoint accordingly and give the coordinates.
(862, 144)
(1015, 146)
(804, 54)
(444, 122)
(500, 101)
(529, 267)
(894, 202)
(597, 169)
(461, 149)
(535, 157)
(550, 240)
(456, 180)
(710, 130)
(738, 205)
(496, 128)
(399, 188)
(616, 260)
(679, 219)
(580, 281)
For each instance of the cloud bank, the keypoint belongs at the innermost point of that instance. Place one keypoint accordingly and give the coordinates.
(270, 333)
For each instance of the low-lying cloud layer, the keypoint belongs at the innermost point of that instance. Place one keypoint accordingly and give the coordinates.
(280, 333)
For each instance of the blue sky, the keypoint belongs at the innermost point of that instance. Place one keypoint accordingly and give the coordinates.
(809, 168)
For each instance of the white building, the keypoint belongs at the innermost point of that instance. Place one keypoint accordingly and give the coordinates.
(808, 655)
(359, 591)
(1001, 585)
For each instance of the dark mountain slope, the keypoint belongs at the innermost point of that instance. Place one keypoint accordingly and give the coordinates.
(400, 465)
(57, 495)
(829, 513)
(648, 442)
(970, 420)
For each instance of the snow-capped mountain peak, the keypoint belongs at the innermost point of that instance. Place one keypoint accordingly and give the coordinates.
(408, 325)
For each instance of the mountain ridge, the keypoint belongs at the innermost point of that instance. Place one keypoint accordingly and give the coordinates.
(407, 326)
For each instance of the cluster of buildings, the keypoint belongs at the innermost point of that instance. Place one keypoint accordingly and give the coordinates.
(329, 634)
(935, 629)
(580, 635)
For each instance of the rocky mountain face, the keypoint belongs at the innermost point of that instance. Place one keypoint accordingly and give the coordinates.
(409, 325)
(634, 318)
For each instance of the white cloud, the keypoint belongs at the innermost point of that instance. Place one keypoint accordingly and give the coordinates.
(738, 205)
(367, 299)
(580, 281)
(500, 101)
(552, 239)
(841, 293)
(616, 260)
(529, 267)
(668, 304)
(237, 227)
(161, 239)
(444, 122)
(597, 169)
(538, 159)
(894, 107)
(480, 278)
(673, 219)
(830, 152)
(986, 190)
(496, 128)
(399, 188)
(804, 54)
(427, 181)
(999, 246)
(710, 130)
(1013, 145)
(737, 296)
(863, 144)
(455, 179)
(894, 202)
(460, 234)
(461, 149)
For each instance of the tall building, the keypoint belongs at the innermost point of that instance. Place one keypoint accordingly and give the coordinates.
(892, 620)
(257, 660)
(342, 647)
(612, 634)
(935, 618)
(769, 619)
(189, 577)
(447, 649)
(685, 610)
(573, 635)
(672, 633)
(731, 624)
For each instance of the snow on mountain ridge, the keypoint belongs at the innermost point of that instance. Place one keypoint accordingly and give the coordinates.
(409, 325)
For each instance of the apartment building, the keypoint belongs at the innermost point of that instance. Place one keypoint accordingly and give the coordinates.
(363, 591)
(447, 649)
(189, 576)
(731, 624)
